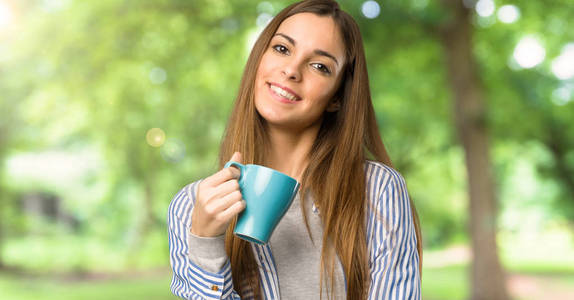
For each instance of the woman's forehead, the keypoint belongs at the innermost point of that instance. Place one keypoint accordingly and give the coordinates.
(315, 32)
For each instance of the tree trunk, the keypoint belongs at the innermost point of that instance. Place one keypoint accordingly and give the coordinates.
(488, 279)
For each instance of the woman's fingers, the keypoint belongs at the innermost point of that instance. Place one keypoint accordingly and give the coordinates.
(213, 218)
(218, 200)
(232, 211)
(226, 188)
(217, 207)
(236, 157)
(226, 173)
(222, 176)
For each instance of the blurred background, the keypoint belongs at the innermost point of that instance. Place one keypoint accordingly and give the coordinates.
(108, 108)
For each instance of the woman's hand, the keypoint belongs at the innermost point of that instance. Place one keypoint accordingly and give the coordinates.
(218, 200)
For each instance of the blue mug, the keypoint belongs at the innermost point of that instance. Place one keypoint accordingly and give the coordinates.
(268, 194)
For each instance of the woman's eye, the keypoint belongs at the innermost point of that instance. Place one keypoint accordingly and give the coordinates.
(281, 49)
(322, 68)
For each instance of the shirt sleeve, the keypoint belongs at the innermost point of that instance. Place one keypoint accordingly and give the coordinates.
(394, 260)
(190, 280)
(207, 252)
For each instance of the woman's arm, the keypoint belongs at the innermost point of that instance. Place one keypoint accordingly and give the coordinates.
(394, 260)
(201, 269)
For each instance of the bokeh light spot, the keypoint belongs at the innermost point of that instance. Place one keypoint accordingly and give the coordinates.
(563, 65)
(173, 150)
(265, 7)
(562, 95)
(508, 13)
(485, 8)
(528, 53)
(371, 9)
(263, 19)
(155, 137)
(157, 75)
(5, 16)
(53, 6)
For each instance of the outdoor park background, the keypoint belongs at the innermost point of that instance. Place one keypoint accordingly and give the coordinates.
(109, 107)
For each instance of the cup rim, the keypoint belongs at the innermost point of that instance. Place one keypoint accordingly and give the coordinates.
(273, 170)
(249, 238)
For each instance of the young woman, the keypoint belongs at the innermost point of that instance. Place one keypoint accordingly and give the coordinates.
(303, 108)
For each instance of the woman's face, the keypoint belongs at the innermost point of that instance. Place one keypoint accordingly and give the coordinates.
(300, 72)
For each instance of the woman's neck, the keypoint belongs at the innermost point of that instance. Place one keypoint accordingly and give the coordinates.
(289, 150)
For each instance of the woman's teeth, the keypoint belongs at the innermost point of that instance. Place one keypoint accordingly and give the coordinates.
(281, 92)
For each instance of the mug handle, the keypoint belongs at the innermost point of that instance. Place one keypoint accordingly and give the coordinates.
(237, 165)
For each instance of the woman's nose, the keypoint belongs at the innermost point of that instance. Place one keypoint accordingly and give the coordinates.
(291, 71)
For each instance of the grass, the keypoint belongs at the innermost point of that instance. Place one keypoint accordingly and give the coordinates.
(445, 283)
(451, 283)
(436, 285)
(25, 288)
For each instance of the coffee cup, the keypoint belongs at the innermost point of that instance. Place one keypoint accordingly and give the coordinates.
(268, 194)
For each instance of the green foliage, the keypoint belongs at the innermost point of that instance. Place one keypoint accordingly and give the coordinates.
(96, 76)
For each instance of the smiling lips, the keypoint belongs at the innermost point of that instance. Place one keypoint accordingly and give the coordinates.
(283, 94)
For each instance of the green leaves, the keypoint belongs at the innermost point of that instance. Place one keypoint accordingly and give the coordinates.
(98, 75)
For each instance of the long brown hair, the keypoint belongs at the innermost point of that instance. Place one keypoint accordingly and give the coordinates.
(346, 139)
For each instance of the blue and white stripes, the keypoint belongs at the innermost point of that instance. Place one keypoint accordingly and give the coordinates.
(189, 280)
(391, 238)
(391, 242)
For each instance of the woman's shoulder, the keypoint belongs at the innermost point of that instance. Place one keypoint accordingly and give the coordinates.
(380, 177)
(183, 200)
(381, 172)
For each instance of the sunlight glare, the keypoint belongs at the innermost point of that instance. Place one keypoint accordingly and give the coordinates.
(5, 16)
(155, 137)
(508, 13)
(485, 8)
(529, 52)
(371, 9)
(563, 65)
(53, 6)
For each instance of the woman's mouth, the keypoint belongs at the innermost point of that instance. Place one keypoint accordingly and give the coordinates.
(283, 94)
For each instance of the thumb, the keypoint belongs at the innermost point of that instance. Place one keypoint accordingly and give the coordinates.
(236, 157)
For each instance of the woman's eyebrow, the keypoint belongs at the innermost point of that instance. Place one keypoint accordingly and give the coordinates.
(290, 39)
(317, 51)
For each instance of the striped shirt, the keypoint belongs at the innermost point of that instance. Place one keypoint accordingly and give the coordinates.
(391, 246)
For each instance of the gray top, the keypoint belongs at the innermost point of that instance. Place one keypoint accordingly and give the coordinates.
(297, 258)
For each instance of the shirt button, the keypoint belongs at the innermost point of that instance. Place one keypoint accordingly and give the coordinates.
(214, 288)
